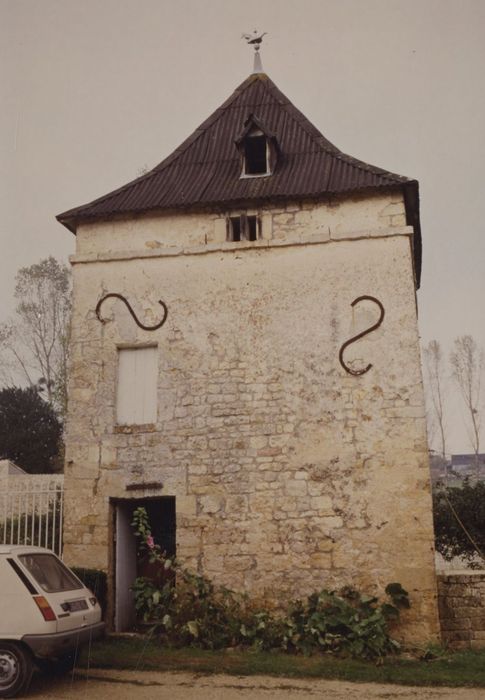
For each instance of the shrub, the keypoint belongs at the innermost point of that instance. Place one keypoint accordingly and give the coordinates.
(195, 612)
(96, 581)
(347, 623)
(30, 431)
(468, 503)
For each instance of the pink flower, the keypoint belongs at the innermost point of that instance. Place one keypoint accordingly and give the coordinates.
(150, 542)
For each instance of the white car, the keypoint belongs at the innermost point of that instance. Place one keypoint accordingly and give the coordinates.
(46, 613)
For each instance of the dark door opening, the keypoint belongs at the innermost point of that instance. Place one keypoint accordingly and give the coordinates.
(128, 565)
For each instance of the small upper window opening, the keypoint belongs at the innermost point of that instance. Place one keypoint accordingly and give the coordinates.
(235, 228)
(243, 228)
(256, 155)
(252, 227)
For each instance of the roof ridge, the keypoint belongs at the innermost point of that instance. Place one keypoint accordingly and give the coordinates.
(331, 149)
(211, 119)
(298, 116)
(194, 136)
(301, 119)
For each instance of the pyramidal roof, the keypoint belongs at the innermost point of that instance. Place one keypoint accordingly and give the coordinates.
(205, 170)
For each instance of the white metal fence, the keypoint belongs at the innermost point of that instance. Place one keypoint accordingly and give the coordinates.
(32, 514)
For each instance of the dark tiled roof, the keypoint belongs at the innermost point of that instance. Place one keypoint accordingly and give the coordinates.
(205, 170)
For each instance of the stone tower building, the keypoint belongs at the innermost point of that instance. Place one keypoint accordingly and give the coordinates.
(245, 364)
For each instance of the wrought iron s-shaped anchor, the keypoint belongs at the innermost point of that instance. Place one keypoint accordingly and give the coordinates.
(128, 306)
(357, 372)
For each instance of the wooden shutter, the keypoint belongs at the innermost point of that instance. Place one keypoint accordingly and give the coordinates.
(136, 401)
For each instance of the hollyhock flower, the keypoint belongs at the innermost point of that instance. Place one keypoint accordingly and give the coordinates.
(150, 542)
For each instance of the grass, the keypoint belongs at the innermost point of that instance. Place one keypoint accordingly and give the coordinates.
(135, 653)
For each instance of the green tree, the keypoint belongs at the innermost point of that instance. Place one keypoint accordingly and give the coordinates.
(459, 520)
(30, 431)
(34, 344)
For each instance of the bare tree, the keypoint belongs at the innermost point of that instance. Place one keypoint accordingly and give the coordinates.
(436, 385)
(467, 362)
(34, 344)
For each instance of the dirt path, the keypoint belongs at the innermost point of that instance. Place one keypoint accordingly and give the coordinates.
(133, 685)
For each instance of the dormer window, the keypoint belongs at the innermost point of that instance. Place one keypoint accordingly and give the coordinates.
(258, 149)
(243, 227)
(256, 154)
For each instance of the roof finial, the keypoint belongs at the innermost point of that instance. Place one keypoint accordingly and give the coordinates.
(255, 39)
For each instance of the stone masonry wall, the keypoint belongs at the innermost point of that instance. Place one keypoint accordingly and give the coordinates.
(461, 599)
(28, 482)
(146, 236)
(289, 474)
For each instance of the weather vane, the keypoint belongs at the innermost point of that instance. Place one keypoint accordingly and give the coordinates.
(255, 39)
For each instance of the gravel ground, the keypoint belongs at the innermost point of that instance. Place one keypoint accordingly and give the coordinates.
(149, 685)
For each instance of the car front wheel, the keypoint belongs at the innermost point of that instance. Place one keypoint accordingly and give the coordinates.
(15, 669)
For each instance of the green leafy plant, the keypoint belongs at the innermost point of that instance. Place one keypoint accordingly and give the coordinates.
(347, 623)
(30, 430)
(195, 612)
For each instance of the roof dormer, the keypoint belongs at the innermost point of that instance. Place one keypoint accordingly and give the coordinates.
(258, 148)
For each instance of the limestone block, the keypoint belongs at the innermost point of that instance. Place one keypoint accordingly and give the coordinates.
(83, 472)
(210, 504)
(296, 488)
(393, 209)
(220, 230)
(108, 456)
(236, 505)
(213, 564)
(266, 226)
(321, 560)
(94, 454)
(322, 504)
(325, 545)
(264, 503)
(283, 219)
(186, 505)
(269, 452)
(398, 220)
(188, 536)
(303, 219)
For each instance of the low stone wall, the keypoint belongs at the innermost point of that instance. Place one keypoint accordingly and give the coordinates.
(461, 600)
(14, 480)
(13, 484)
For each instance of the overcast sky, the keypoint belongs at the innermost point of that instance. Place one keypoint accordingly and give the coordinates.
(94, 90)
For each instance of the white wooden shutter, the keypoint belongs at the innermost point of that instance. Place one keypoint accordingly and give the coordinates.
(136, 401)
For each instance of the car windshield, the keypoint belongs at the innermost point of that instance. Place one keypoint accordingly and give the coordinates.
(50, 573)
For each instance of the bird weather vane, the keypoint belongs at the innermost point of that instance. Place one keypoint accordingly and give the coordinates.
(255, 39)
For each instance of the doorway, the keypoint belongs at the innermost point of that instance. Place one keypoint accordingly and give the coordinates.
(127, 564)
